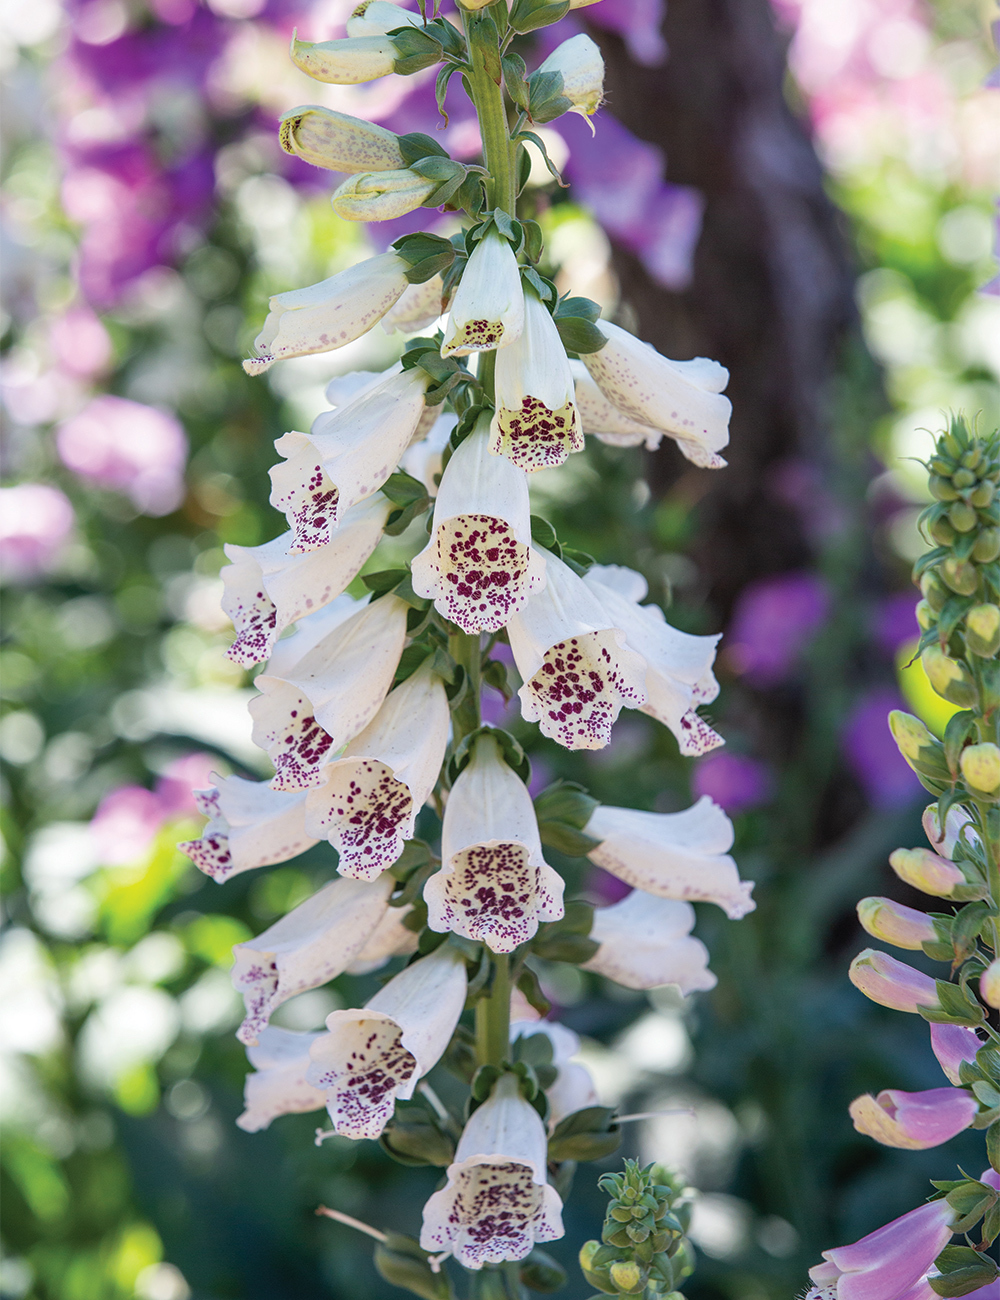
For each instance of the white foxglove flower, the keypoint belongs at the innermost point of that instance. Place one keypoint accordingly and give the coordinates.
(381, 196)
(423, 459)
(332, 692)
(250, 825)
(536, 424)
(681, 855)
(479, 565)
(337, 141)
(314, 943)
(683, 398)
(487, 309)
(347, 62)
(497, 1203)
(602, 419)
(371, 1056)
(646, 942)
(379, 17)
(420, 306)
(330, 314)
(347, 456)
(573, 1088)
(494, 885)
(268, 587)
(678, 665)
(280, 1058)
(578, 61)
(577, 671)
(370, 797)
(390, 938)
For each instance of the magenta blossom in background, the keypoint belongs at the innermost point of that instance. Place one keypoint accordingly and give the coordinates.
(774, 621)
(895, 622)
(35, 522)
(180, 778)
(734, 781)
(605, 887)
(135, 449)
(872, 754)
(127, 819)
(638, 22)
(80, 344)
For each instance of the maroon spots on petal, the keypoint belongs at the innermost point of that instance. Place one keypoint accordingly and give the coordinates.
(495, 1213)
(255, 624)
(365, 816)
(298, 752)
(361, 1085)
(210, 854)
(579, 691)
(478, 334)
(483, 570)
(493, 894)
(535, 437)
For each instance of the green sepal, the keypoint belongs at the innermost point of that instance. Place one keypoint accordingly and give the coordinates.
(539, 144)
(416, 49)
(527, 983)
(444, 76)
(415, 856)
(416, 146)
(970, 1201)
(495, 674)
(529, 15)
(515, 79)
(543, 288)
(546, 100)
(386, 580)
(522, 167)
(536, 1050)
(956, 733)
(579, 335)
(567, 939)
(588, 1134)
(543, 534)
(563, 810)
(957, 1007)
(426, 254)
(513, 755)
(414, 1137)
(578, 561)
(533, 241)
(540, 1272)
(401, 1262)
(967, 927)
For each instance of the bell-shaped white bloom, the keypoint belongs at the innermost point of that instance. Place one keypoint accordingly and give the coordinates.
(337, 141)
(602, 419)
(487, 309)
(379, 17)
(497, 1203)
(347, 62)
(681, 855)
(578, 61)
(280, 1058)
(332, 692)
(370, 797)
(330, 314)
(683, 398)
(312, 944)
(678, 665)
(381, 196)
(347, 456)
(494, 885)
(419, 307)
(536, 424)
(250, 825)
(371, 1056)
(479, 565)
(423, 459)
(269, 587)
(573, 1088)
(390, 938)
(646, 942)
(577, 671)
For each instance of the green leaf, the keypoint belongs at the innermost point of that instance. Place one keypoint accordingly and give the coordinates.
(513, 755)
(444, 76)
(533, 242)
(402, 1263)
(514, 79)
(966, 928)
(543, 534)
(573, 949)
(962, 1270)
(588, 1134)
(414, 1137)
(384, 581)
(580, 335)
(585, 307)
(416, 146)
(529, 15)
(416, 49)
(540, 146)
(528, 984)
(485, 40)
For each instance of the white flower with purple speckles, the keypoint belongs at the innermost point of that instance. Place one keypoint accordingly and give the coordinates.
(479, 565)
(250, 825)
(646, 942)
(371, 1056)
(314, 943)
(370, 797)
(602, 419)
(487, 308)
(578, 672)
(280, 1058)
(495, 885)
(497, 1202)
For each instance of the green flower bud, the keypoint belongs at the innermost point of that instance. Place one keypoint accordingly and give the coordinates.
(942, 488)
(910, 735)
(338, 142)
(942, 531)
(960, 575)
(596, 1275)
(934, 591)
(962, 517)
(980, 766)
(989, 984)
(963, 478)
(987, 547)
(949, 677)
(941, 466)
(982, 496)
(627, 1276)
(982, 630)
(926, 617)
(972, 458)
(381, 196)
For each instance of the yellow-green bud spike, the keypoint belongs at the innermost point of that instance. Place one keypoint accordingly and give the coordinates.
(950, 678)
(980, 766)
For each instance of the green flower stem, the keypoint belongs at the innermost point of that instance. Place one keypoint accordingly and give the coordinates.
(493, 1016)
(487, 96)
(465, 649)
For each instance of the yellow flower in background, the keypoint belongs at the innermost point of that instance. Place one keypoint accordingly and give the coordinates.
(918, 692)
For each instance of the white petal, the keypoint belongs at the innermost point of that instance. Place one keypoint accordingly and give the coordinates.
(536, 424)
(344, 389)
(426, 1000)
(419, 307)
(327, 315)
(369, 799)
(423, 459)
(604, 420)
(314, 943)
(479, 565)
(390, 938)
(285, 727)
(682, 398)
(673, 855)
(381, 17)
(252, 826)
(310, 630)
(279, 1087)
(645, 942)
(487, 308)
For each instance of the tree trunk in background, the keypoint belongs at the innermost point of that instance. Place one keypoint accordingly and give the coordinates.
(772, 291)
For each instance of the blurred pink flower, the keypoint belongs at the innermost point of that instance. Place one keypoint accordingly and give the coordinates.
(638, 22)
(135, 449)
(872, 755)
(127, 819)
(774, 621)
(180, 778)
(80, 344)
(734, 781)
(35, 522)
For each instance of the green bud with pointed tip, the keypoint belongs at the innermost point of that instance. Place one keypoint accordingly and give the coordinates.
(942, 488)
(962, 517)
(980, 766)
(982, 630)
(987, 547)
(960, 575)
(942, 531)
(949, 677)
(934, 591)
(982, 496)
(963, 478)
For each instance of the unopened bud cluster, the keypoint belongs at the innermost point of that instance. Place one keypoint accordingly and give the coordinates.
(643, 1250)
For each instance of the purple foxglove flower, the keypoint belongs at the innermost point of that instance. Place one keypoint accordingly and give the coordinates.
(890, 1260)
(576, 668)
(904, 927)
(35, 523)
(733, 781)
(914, 1121)
(479, 566)
(370, 797)
(250, 825)
(773, 622)
(80, 343)
(956, 822)
(280, 1058)
(953, 1044)
(312, 944)
(892, 983)
(682, 855)
(646, 942)
(369, 1057)
(497, 1202)
(494, 885)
